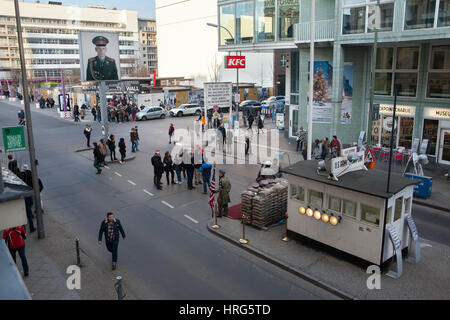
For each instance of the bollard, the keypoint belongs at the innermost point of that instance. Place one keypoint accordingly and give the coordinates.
(286, 238)
(77, 246)
(119, 288)
(243, 240)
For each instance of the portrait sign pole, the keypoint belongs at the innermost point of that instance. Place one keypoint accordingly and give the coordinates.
(103, 110)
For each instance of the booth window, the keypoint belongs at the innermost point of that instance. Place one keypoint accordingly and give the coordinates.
(439, 73)
(370, 214)
(350, 208)
(315, 199)
(297, 192)
(334, 203)
(408, 205)
(388, 215)
(398, 208)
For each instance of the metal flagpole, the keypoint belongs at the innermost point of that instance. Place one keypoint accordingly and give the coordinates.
(311, 77)
(103, 111)
(34, 175)
(373, 67)
(392, 140)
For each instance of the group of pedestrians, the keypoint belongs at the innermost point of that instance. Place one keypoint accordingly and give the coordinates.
(321, 148)
(45, 102)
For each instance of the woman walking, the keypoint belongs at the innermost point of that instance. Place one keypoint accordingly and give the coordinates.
(14, 238)
(168, 167)
(122, 150)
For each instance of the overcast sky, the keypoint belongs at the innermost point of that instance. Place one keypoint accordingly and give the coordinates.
(145, 8)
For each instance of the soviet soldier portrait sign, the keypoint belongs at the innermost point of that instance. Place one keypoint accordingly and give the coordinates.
(99, 52)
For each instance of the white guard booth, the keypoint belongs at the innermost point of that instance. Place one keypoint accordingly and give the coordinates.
(353, 214)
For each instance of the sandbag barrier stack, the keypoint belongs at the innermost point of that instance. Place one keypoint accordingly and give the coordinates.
(266, 203)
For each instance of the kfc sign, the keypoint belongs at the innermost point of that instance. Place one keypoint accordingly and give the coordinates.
(235, 62)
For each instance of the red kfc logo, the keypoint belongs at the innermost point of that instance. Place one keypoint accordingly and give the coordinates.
(235, 62)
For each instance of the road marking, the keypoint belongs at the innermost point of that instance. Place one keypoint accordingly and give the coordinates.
(118, 174)
(149, 193)
(131, 182)
(192, 219)
(107, 167)
(168, 204)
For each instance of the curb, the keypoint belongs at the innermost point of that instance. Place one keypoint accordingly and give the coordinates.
(283, 266)
(82, 150)
(423, 203)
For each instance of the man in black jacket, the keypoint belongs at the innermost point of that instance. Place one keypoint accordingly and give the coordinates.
(158, 168)
(111, 228)
(97, 158)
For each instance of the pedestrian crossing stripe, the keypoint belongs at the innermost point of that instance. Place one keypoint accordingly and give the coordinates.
(369, 156)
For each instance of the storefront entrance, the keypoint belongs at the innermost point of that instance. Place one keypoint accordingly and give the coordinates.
(444, 149)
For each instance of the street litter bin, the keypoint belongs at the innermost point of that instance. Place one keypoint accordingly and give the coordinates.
(422, 190)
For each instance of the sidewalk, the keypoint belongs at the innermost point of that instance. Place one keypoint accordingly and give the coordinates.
(48, 260)
(429, 279)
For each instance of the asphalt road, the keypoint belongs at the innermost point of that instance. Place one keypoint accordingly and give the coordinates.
(168, 253)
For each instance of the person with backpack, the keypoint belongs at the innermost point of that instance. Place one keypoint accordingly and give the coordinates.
(15, 241)
(171, 132)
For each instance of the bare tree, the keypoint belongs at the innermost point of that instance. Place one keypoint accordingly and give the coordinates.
(214, 69)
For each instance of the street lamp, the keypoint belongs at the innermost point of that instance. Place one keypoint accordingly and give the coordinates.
(237, 70)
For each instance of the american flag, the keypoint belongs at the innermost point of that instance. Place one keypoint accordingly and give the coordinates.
(212, 188)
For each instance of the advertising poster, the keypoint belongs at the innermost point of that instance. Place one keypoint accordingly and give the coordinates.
(99, 56)
(322, 81)
(347, 95)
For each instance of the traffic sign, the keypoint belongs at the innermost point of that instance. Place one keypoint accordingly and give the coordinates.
(14, 139)
(369, 156)
(216, 108)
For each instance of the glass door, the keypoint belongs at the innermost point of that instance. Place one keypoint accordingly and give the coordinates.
(444, 152)
(294, 120)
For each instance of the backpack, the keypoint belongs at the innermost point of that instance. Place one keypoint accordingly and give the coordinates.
(16, 239)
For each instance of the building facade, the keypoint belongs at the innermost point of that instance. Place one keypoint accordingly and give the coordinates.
(50, 33)
(413, 57)
(148, 44)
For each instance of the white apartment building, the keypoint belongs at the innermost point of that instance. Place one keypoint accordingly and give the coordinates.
(50, 34)
(147, 41)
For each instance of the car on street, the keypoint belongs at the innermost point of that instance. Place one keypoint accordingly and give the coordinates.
(251, 104)
(151, 113)
(185, 110)
(273, 99)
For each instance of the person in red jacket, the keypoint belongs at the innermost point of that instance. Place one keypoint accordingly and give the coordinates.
(14, 238)
(171, 131)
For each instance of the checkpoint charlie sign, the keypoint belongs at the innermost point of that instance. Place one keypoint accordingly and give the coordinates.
(345, 164)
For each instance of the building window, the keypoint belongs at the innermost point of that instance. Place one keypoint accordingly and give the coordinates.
(370, 214)
(288, 16)
(419, 14)
(430, 131)
(439, 73)
(297, 193)
(444, 13)
(294, 65)
(227, 21)
(265, 20)
(315, 199)
(361, 16)
(402, 74)
(244, 22)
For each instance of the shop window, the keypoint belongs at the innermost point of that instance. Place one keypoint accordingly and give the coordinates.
(388, 215)
(288, 16)
(315, 199)
(444, 13)
(265, 20)
(419, 14)
(244, 22)
(334, 203)
(350, 208)
(370, 214)
(386, 131)
(430, 131)
(398, 208)
(227, 21)
(406, 132)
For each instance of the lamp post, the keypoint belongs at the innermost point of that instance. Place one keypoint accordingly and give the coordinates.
(311, 78)
(237, 69)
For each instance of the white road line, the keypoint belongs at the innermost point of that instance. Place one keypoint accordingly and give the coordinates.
(118, 174)
(168, 204)
(107, 167)
(131, 182)
(192, 219)
(149, 193)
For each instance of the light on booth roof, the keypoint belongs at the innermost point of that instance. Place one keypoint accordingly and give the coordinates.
(301, 210)
(335, 220)
(317, 215)
(309, 212)
(325, 218)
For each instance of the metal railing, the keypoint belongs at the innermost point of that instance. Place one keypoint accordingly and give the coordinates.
(324, 31)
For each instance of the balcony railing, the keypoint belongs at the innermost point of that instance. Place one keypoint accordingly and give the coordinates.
(324, 31)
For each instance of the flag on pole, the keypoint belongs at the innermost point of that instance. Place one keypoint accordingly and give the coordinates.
(212, 189)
